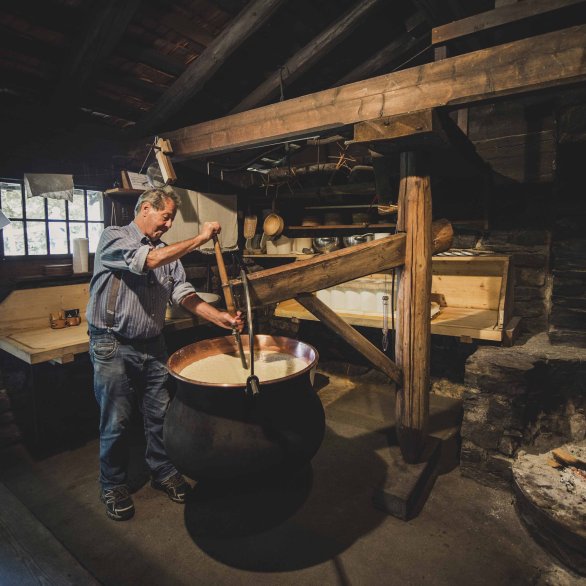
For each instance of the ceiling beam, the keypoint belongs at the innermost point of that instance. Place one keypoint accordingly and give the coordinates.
(497, 17)
(199, 71)
(399, 48)
(545, 61)
(107, 23)
(153, 58)
(306, 57)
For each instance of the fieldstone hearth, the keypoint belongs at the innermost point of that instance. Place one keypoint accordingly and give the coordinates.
(531, 396)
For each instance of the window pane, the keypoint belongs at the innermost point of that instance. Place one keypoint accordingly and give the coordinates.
(76, 207)
(76, 230)
(13, 236)
(56, 208)
(95, 210)
(58, 238)
(11, 200)
(94, 235)
(36, 236)
(35, 208)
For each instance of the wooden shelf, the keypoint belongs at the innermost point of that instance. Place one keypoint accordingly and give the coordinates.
(355, 227)
(124, 192)
(284, 255)
(478, 324)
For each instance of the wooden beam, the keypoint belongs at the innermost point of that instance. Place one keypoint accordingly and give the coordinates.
(497, 17)
(335, 323)
(165, 63)
(412, 346)
(306, 57)
(403, 46)
(423, 127)
(254, 14)
(323, 271)
(328, 270)
(107, 23)
(550, 60)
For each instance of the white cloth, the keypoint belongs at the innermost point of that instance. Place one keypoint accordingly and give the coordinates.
(49, 185)
(196, 209)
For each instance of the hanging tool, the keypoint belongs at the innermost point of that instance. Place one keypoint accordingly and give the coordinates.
(252, 382)
(228, 297)
(385, 340)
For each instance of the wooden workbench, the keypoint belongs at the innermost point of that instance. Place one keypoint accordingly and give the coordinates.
(25, 329)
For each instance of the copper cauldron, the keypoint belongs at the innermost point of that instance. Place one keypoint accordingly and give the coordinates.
(225, 431)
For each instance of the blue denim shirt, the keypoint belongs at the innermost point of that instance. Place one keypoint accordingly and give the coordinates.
(143, 295)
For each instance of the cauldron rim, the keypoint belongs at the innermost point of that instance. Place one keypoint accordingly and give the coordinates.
(229, 342)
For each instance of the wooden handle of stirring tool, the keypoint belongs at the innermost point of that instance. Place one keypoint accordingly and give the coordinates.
(224, 277)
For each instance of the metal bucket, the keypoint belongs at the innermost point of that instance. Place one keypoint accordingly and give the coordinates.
(224, 431)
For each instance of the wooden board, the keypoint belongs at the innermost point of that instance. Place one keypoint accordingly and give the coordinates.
(502, 15)
(477, 324)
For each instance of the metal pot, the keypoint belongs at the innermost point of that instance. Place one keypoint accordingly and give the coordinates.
(357, 239)
(224, 431)
(326, 243)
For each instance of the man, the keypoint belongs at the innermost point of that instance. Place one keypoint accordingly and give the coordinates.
(135, 275)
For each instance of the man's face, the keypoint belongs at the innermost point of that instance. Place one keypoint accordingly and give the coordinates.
(157, 222)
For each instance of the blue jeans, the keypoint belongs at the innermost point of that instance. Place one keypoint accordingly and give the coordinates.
(127, 372)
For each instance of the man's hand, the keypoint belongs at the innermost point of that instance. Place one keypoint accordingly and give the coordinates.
(209, 229)
(231, 321)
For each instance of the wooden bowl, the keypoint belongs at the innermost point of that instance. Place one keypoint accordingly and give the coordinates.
(273, 225)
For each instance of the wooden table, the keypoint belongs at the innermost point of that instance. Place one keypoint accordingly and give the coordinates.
(37, 345)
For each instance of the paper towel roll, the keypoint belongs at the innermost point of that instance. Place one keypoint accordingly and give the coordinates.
(80, 255)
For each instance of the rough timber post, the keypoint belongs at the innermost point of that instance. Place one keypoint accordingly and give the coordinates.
(412, 346)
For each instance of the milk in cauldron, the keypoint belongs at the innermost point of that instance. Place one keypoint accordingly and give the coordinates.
(227, 368)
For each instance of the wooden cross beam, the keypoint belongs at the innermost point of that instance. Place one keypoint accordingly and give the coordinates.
(302, 278)
(544, 61)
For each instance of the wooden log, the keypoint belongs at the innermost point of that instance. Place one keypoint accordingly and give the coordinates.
(544, 61)
(396, 51)
(253, 15)
(412, 346)
(323, 271)
(308, 56)
(327, 270)
(333, 321)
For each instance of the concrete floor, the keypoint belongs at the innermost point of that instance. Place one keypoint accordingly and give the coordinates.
(318, 527)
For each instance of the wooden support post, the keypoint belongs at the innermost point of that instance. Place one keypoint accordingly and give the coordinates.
(412, 347)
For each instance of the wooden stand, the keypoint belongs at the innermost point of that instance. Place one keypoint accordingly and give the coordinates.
(412, 346)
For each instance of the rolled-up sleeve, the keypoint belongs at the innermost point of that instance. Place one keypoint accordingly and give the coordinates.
(181, 288)
(120, 253)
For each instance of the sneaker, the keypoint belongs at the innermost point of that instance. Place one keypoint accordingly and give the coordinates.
(119, 505)
(175, 486)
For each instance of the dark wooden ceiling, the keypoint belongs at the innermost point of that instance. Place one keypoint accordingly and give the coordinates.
(77, 76)
(115, 63)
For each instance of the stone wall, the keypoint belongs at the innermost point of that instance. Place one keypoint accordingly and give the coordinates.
(531, 396)
(567, 322)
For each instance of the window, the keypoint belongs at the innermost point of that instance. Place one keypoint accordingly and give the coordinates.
(41, 226)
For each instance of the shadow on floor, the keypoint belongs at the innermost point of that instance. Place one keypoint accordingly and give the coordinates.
(286, 520)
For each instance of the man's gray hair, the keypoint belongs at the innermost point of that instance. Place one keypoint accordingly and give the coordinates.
(156, 197)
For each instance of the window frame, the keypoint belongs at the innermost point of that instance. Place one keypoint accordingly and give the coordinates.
(48, 221)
